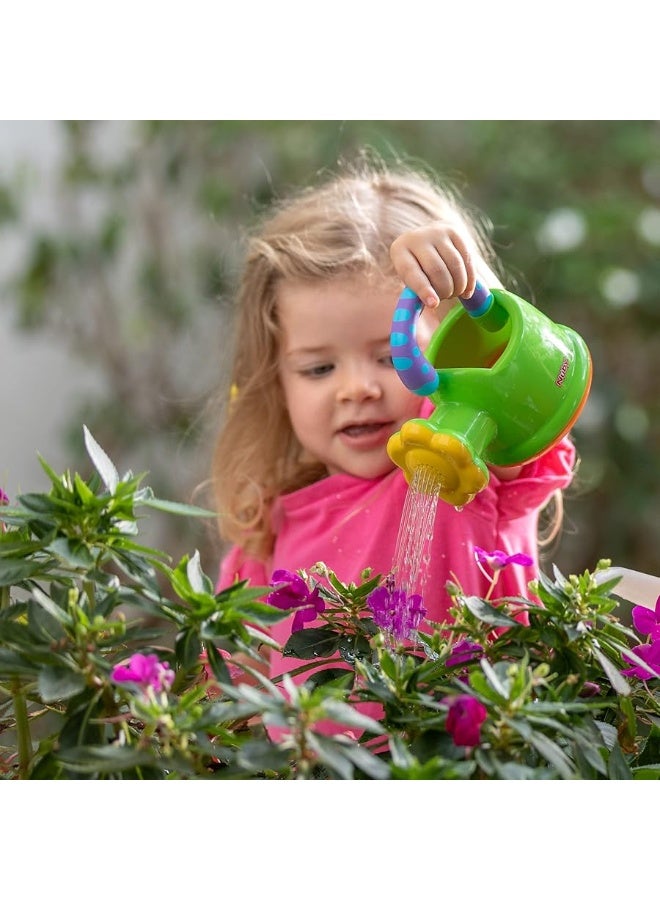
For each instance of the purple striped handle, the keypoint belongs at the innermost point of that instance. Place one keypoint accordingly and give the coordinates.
(414, 370)
(479, 303)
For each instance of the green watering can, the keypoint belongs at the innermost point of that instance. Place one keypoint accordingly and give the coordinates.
(512, 384)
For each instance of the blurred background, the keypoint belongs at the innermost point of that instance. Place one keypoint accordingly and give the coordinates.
(120, 246)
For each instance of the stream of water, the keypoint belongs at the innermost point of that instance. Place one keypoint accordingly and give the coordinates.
(412, 554)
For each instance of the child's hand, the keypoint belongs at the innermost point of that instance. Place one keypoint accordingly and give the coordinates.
(434, 262)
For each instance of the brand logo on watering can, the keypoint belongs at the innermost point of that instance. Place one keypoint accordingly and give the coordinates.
(559, 380)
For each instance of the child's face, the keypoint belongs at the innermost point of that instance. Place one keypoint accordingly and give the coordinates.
(342, 392)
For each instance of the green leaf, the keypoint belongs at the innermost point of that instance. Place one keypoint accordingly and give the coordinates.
(352, 647)
(13, 664)
(348, 715)
(259, 613)
(87, 496)
(47, 507)
(187, 648)
(553, 753)
(313, 643)
(332, 676)
(217, 663)
(256, 756)
(330, 754)
(59, 683)
(546, 747)
(15, 571)
(647, 773)
(608, 733)
(61, 615)
(362, 759)
(487, 613)
(615, 677)
(493, 678)
(617, 766)
(102, 462)
(103, 760)
(198, 581)
(177, 509)
(73, 552)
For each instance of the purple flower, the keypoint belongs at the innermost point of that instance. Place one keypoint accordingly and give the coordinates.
(464, 652)
(647, 621)
(497, 559)
(291, 592)
(650, 653)
(590, 689)
(394, 611)
(464, 720)
(4, 501)
(145, 671)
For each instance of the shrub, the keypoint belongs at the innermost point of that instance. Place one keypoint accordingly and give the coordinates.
(116, 665)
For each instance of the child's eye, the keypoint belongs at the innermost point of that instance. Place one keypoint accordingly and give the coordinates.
(387, 361)
(317, 371)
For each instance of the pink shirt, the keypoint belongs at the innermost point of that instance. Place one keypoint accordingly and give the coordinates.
(351, 523)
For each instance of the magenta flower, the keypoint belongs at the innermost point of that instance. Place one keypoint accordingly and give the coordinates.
(291, 592)
(145, 671)
(650, 653)
(394, 611)
(647, 621)
(498, 559)
(590, 689)
(464, 720)
(4, 499)
(464, 652)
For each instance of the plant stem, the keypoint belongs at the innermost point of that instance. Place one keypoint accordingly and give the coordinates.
(90, 590)
(24, 740)
(493, 581)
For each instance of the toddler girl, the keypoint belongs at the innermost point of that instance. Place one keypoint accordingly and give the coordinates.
(301, 472)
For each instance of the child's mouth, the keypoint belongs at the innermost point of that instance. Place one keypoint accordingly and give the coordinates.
(359, 430)
(366, 435)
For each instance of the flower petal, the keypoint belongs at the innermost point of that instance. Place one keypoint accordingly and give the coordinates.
(464, 720)
(644, 619)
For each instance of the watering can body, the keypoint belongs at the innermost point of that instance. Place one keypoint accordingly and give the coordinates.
(507, 384)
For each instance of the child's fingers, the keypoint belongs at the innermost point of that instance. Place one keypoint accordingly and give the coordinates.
(413, 276)
(466, 267)
(436, 263)
(444, 269)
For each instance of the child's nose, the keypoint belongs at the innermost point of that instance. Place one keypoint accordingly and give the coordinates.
(360, 383)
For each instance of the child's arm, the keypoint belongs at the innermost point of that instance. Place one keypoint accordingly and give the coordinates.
(439, 262)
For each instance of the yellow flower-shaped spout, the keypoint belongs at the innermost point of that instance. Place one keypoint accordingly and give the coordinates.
(458, 477)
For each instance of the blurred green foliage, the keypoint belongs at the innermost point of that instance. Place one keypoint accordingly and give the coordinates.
(137, 274)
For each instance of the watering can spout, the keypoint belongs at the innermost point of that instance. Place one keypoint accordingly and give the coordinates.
(512, 384)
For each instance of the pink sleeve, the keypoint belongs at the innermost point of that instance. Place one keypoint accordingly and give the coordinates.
(238, 567)
(537, 481)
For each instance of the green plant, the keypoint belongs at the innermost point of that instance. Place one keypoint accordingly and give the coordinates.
(115, 664)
